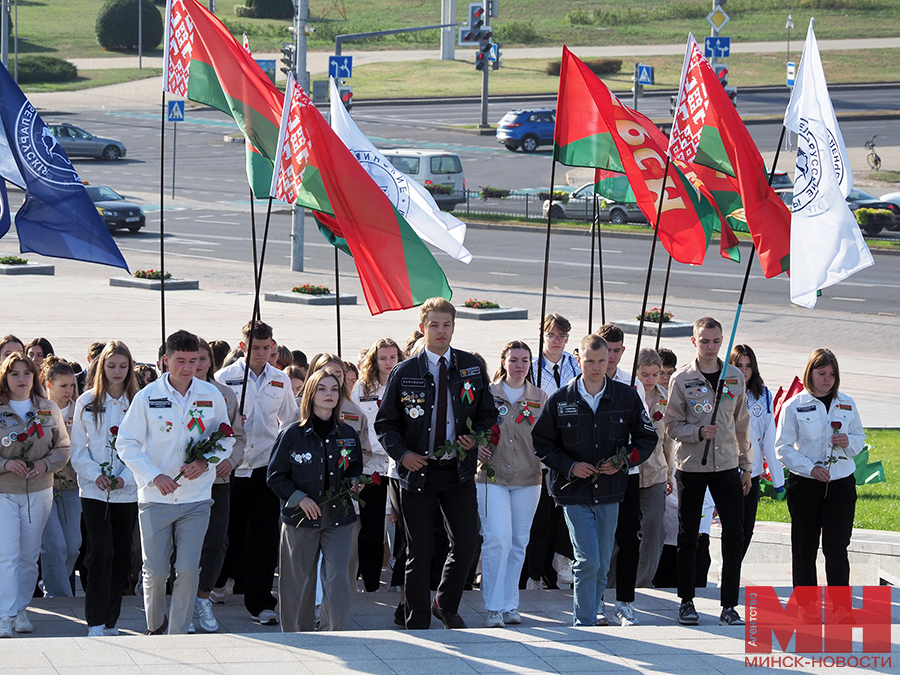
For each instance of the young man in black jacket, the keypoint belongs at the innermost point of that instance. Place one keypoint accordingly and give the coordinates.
(590, 433)
(428, 403)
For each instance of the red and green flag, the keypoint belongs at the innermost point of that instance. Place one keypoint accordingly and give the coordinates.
(594, 129)
(204, 63)
(395, 267)
(708, 131)
(613, 185)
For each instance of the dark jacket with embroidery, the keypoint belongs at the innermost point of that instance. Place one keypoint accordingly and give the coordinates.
(297, 469)
(568, 431)
(402, 428)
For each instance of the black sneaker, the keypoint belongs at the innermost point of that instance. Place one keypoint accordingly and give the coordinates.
(687, 615)
(730, 617)
(449, 619)
(400, 615)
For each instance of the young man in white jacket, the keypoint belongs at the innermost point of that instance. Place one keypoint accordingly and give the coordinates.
(163, 419)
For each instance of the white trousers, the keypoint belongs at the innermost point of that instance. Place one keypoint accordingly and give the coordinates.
(506, 515)
(20, 546)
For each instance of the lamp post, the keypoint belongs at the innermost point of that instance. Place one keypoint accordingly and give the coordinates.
(789, 25)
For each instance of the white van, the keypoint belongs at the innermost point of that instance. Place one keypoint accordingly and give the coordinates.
(432, 167)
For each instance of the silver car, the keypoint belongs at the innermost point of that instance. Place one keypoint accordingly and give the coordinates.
(79, 143)
(581, 207)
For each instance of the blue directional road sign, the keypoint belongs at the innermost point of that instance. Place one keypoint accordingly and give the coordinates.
(645, 74)
(176, 111)
(717, 47)
(492, 55)
(340, 67)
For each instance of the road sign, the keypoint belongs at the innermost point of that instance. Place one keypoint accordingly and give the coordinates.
(340, 67)
(645, 74)
(492, 55)
(791, 72)
(717, 47)
(717, 18)
(176, 111)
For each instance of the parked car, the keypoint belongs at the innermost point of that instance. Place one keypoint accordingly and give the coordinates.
(526, 129)
(116, 211)
(79, 143)
(860, 199)
(893, 197)
(440, 172)
(580, 206)
(781, 180)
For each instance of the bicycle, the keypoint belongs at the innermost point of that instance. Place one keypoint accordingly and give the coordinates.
(872, 158)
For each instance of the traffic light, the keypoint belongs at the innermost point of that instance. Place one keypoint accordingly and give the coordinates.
(721, 71)
(287, 58)
(484, 49)
(732, 94)
(469, 35)
(673, 105)
(346, 94)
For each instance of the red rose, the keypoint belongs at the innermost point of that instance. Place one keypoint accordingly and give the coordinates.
(657, 416)
(225, 429)
(376, 478)
(114, 431)
(495, 434)
(836, 426)
(634, 457)
(22, 437)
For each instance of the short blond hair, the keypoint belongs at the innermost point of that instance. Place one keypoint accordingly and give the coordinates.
(592, 341)
(436, 305)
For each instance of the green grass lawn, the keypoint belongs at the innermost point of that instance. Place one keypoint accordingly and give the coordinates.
(88, 79)
(876, 504)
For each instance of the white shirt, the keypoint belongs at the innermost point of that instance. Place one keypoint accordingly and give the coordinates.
(513, 395)
(269, 407)
(434, 367)
(154, 435)
(369, 404)
(592, 400)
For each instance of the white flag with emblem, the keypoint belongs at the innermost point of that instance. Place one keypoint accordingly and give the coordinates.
(412, 200)
(826, 244)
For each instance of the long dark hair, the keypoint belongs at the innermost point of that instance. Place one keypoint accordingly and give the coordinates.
(755, 384)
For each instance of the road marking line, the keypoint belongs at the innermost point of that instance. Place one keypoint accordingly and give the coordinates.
(606, 250)
(849, 299)
(503, 274)
(724, 290)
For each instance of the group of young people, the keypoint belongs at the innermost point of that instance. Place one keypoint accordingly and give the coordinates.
(555, 470)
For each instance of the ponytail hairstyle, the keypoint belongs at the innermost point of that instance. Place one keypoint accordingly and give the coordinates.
(101, 386)
(368, 374)
(54, 367)
(501, 373)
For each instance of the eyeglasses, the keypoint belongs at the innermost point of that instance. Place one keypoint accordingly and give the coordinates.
(549, 337)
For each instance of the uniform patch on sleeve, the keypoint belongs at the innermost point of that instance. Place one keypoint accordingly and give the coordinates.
(470, 372)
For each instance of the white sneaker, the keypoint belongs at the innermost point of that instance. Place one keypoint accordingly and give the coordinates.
(625, 613)
(534, 585)
(23, 623)
(97, 631)
(494, 620)
(192, 629)
(112, 632)
(563, 567)
(218, 596)
(601, 615)
(6, 626)
(205, 617)
(512, 617)
(266, 618)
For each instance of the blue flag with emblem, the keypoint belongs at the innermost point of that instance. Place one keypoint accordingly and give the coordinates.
(4, 209)
(58, 218)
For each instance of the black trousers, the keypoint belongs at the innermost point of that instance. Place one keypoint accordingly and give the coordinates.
(628, 545)
(215, 544)
(726, 490)
(399, 573)
(549, 535)
(817, 511)
(108, 558)
(751, 504)
(456, 503)
(371, 534)
(253, 533)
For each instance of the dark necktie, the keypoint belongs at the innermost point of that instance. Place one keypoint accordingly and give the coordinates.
(556, 376)
(440, 424)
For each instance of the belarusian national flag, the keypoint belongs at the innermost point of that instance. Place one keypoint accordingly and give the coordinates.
(395, 267)
(708, 131)
(594, 129)
(613, 185)
(204, 63)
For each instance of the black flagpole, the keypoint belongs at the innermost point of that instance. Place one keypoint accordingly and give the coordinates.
(253, 314)
(737, 314)
(337, 299)
(546, 270)
(662, 197)
(262, 260)
(162, 215)
(662, 307)
(594, 226)
(600, 266)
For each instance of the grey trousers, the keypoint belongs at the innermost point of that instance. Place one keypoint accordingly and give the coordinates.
(297, 573)
(163, 525)
(652, 533)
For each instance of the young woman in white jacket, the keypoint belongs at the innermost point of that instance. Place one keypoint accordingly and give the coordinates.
(819, 433)
(107, 487)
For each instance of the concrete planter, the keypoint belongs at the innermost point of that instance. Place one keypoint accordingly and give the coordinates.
(491, 314)
(307, 299)
(670, 329)
(155, 284)
(28, 268)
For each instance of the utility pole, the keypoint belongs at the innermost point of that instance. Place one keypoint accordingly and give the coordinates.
(484, 75)
(4, 33)
(298, 215)
(448, 34)
(140, 33)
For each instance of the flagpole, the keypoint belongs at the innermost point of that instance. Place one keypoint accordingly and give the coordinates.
(262, 259)
(162, 215)
(593, 249)
(600, 266)
(737, 313)
(337, 299)
(662, 307)
(546, 271)
(662, 196)
(254, 315)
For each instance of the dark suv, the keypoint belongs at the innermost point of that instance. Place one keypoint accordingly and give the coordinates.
(526, 129)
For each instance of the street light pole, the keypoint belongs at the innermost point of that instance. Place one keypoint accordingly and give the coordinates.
(789, 25)
(298, 215)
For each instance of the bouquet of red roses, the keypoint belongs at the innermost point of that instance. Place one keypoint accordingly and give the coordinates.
(205, 448)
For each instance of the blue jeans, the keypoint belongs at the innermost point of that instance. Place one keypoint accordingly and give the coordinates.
(592, 529)
(60, 544)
